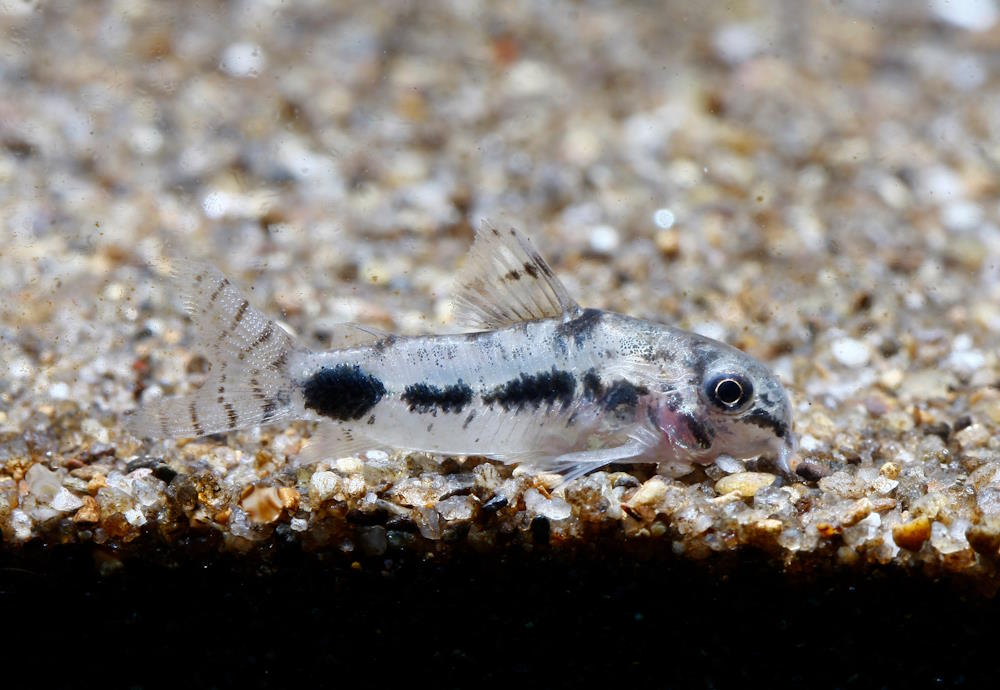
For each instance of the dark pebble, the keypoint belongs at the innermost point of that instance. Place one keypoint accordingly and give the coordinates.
(812, 471)
(540, 530)
(962, 422)
(164, 472)
(495, 504)
(941, 429)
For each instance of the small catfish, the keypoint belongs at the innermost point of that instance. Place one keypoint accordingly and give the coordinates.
(538, 379)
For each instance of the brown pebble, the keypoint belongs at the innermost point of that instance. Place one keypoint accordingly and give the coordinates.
(889, 470)
(984, 538)
(826, 530)
(89, 512)
(96, 483)
(263, 504)
(289, 498)
(912, 535)
(222, 517)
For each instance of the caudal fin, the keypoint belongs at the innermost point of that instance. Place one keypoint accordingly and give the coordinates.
(249, 383)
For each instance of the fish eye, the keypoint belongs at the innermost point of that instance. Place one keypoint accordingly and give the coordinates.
(729, 392)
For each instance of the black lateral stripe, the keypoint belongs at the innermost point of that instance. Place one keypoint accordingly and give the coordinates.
(534, 389)
(593, 389)
(423, 398)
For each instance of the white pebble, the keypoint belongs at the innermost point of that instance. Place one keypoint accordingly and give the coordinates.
(135, 517)
(729, 464)
(21, 524)
(974, 15)
(243, 60)
(554, 509)
(966, 361)
(664, 218)
(146, 140)
(324, 485)
(455, 508)
(850, 352)
(298, 525)
(736, 43)
(604, 239)
(66, 501)
(809, 443)
(961, 216)
(59, 391)
(20, 368)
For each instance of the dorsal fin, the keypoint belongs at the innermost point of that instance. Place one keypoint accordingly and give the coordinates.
(506, 281)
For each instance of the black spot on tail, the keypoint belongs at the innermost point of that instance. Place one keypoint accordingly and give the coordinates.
(534, 389)
(425, 398)
(342, 392)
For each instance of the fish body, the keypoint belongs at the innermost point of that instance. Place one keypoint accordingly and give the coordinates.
(539, 380)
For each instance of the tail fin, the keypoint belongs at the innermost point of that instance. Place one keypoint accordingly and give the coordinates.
(249, 384)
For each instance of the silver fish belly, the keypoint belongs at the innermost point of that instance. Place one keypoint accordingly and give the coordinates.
(540, 380)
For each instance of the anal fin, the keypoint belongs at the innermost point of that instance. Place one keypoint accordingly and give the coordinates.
(333, 440)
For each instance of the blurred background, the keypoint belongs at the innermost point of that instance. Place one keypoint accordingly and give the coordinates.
(759, 171)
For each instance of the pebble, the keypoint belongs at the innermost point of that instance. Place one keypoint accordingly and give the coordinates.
(555, 508)
(650, 494)
(604, 239)
(323, 486)
(455, 508)
(973, 15)
(65, 501)
(746, 484)
(912, 535)
(263, 505)
(243, 60)
(850, 352)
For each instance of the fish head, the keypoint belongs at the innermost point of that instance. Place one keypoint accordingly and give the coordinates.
(728, 404)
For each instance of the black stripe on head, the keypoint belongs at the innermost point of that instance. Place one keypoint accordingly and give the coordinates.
(761, 418)
(534, 389)
(422, 397)
(342, 392)
(700, 431)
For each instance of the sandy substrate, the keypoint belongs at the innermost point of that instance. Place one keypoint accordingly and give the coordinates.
(817, 184)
